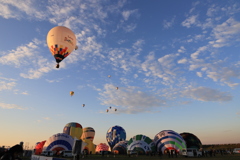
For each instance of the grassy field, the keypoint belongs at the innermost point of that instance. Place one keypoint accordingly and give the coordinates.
(165, 157)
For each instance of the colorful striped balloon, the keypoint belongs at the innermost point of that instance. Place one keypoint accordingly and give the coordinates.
(169, 140)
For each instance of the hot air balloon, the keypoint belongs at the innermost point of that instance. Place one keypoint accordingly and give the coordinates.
(115, 109)
(73, 129)
(83, 105)
(59, 142)
(141, 143)
(107, 110)
(39, 147)
(88, 133)
(61, 42)
(191, 140)
(114, 135)
(120, 147)
(71, 93)
(109, 76)
(102, 147)
(168, 140)
(110, 107)
(116, 88)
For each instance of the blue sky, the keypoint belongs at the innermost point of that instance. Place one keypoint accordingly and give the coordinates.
(176, 64)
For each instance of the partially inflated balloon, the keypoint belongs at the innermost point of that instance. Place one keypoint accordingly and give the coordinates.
(39, 147)
(61, 42)
(58, 142)
(73, 129)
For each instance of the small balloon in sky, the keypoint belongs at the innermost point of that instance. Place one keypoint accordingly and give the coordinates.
(71, 93)
(109, 76)
(83, 105)
(61, 42)
(116, 88)
(107, 110)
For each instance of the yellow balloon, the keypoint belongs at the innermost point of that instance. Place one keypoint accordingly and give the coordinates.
(61, 42)
(71, 93)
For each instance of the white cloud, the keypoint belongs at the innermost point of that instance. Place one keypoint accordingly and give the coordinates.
(199, 74)
(226, 32)
(128, 13)
(182, 49)
(168, 24)
(21, 55)
(130, 99)
(11, 106)
(192, 20)
(207, 94)
(182, 61)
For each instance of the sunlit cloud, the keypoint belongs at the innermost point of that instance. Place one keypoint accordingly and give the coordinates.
(207, 94)
(130, 99)
(11, 106)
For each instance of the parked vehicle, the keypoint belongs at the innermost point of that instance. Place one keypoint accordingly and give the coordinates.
(193, 152)
(236, 150)
(48, 153)
(65, 153)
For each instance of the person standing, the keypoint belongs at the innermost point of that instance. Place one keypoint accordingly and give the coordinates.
(13, 153)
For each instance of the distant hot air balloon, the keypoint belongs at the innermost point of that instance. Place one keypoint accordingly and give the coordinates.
(114, 135)
(107, 110)
(71, 93)
(115, 109)
(61, 42)
(83, 105)
(73, 129)
(110, 107)
(116, 88)
(109, 76)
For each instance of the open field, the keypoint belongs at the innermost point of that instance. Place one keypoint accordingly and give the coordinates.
(144, 157)
(165, 157)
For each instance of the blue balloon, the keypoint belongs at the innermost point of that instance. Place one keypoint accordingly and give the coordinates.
(114, 135)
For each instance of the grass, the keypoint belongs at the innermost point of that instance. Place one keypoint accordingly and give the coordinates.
(164, 157)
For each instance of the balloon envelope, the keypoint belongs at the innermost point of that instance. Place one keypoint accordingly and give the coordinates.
(102, 147)
(61, 42)
(73, 129)
(71, 93)
(191, 140)
(169, 140)
(88, 133)
(58, 142)
(114, 135)
(141, 143)
(39, 147)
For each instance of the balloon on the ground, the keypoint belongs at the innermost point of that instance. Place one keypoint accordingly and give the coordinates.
(141, 143)
(39, 147)
(167, 140)
(102, 147)
(88, 133)
(73, 129)
(120, 147)
(61, 42)
(58, 142)
(191, 140)
(114, 135)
